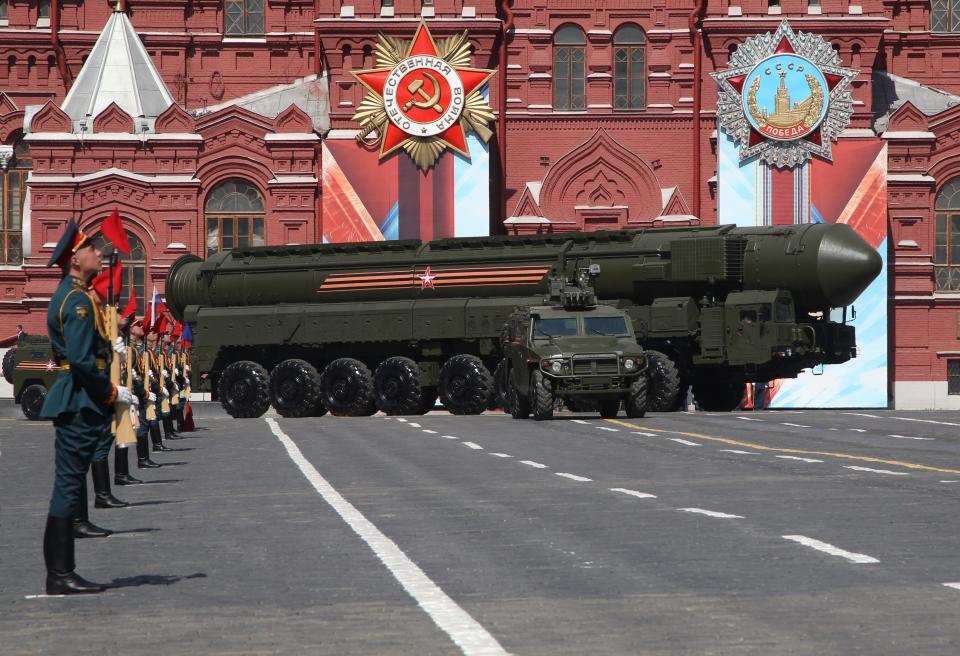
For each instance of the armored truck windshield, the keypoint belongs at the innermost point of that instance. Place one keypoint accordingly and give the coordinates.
(563, 327)
(606, 326)
(546, 327)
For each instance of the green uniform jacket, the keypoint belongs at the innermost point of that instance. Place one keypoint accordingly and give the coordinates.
(72, 326)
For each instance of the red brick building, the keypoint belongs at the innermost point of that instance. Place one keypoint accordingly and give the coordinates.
(609, 121)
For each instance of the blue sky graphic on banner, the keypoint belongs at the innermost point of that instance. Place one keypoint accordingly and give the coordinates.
(471, 195)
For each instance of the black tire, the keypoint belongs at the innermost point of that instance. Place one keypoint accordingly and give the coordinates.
(347, 388)
(517, 403)
(396, 387)
(542, 399)
(663, 392)
(31, 400)
(8, 358)
(428, 400)
(466, 385)
(718, 397)
(244, 389)
(499, 398)
(609, 408)
(295, 388)
(636, 404)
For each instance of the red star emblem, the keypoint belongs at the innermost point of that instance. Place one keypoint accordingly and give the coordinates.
(423, 100)
(426, 279)
(51, 365)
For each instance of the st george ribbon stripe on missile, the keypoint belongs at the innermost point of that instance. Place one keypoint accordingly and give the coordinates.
(466, 277)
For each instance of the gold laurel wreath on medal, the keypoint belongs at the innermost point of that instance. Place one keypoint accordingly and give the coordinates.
(813, 105)
(372, 114)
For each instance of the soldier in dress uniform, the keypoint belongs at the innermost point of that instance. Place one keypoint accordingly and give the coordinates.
(121, 463)
(148, 394)
(80, 402)
(152, 354)
(170, 377)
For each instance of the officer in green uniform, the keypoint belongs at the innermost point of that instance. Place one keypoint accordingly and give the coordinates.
(80, 402)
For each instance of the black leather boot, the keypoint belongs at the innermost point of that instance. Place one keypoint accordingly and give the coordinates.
(143, 453)
(103, 498)
(168, 432)
(178, 413)
(121, 468)
(59, 558)
(82, 528)
(155, 437)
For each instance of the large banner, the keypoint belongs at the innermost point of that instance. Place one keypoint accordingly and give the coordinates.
(851, 189)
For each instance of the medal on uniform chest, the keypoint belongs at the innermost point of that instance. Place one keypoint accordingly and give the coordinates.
(423, 97)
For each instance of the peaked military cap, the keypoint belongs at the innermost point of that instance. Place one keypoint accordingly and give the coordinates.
(70, 242)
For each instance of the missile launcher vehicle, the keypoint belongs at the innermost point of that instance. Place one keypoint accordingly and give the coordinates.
(715, 307)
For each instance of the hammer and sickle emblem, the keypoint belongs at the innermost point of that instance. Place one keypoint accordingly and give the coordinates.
(416, 90)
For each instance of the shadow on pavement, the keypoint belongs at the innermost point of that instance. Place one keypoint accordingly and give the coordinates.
(151, 579)
(158, 502)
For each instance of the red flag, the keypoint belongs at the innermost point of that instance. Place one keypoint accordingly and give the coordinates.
(177, 328)
(188, 424)
(146, 319)
(101, 283)
(113, 230)
(160, 326)
(131, 308)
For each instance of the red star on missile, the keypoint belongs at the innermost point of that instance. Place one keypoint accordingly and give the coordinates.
(426, 279)
(471, 78)
(51, 365)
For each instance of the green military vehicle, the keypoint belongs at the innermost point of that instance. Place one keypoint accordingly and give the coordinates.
(32, 373)
(575, 350)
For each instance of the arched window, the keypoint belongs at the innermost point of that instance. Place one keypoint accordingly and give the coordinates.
(134, 270)
(569, 55)
(629, 68)
(944, 16)
(243, 17)
(946, 251)
(13, 192)
(234, 213)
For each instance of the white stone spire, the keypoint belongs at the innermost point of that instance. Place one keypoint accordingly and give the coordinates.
(118, 70)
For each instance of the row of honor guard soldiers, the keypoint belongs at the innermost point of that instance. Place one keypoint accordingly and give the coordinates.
(112, 388)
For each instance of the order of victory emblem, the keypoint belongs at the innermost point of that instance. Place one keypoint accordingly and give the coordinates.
(785, 97)
(423, 97)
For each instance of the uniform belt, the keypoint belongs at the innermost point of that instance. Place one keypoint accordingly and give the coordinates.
(100, 362)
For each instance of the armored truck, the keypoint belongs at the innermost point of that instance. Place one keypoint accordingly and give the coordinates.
(33, 372)
(575, 350)
(715, 307)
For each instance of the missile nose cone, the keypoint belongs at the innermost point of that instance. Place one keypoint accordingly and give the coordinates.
(846, 265)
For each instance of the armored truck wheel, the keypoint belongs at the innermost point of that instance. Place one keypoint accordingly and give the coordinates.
(518, 404)
(466, 385)
(294, 388)
(8, 363)
(244, 389)
(663, 393)
(347, 387)
(31, 400)
(609, 408)
(396, 387)
(637, 398)
(429, 400)
(542, 398)
(718, 397)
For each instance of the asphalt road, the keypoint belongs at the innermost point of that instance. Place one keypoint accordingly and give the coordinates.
(817, 532)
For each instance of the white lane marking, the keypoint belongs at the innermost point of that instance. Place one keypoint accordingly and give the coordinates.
(580, 421)
(909, 437)
(833, 429)
(862, 414)
(955, 586)
(858, 430)
(531, 463)
(574, 477)
(645, 434)
(473, 445)
(950, 481)
(633, 493)
(711, 513)
(401, 419)
(607, 428)
(74, 596)
(744, 453)
(922, 421)
(799, 458)
(830, 549)
(876, 471)
(749, 418)
(413, 425)
(502, 455)
(680, 441)
(466, 632)
(427, 430)
(450, 437)
(786, 423)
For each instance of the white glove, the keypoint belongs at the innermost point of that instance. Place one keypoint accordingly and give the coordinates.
(136, 376)
(152, 397)
(165, 392)
(186, 368)
(119, 346)
(136, 403)
(124, 396)
(176, 372)
(166, 374)
(150, 374)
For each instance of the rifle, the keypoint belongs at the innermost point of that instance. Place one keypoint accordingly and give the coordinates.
(122, 424)
(165, 400)
(172, 361)
(150, 412)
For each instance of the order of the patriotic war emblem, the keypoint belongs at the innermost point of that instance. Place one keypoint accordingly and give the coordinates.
(423, 97)
(785, 97)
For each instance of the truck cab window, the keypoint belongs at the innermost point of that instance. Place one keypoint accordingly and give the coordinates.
(565, 327)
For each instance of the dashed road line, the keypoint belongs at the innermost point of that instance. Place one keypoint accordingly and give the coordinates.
(950, 481)
(799, 458)
(450, 437)
(473, 445)
(581, 421)
(535, 465)
(401, 419)
(805, 452)
(607, 428)
(413, 425)
(787, 423)
(749, 418)
(826, 548)
(955, 586)
(73, 596)
(909, 437)
(743, 453)
(574, 477)
(876, 471)
(922, 421)
(633, 493)
(680, 441)
(431, 432)
(711, 513)
(858, 430)
(645, 434)
(501, 455)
